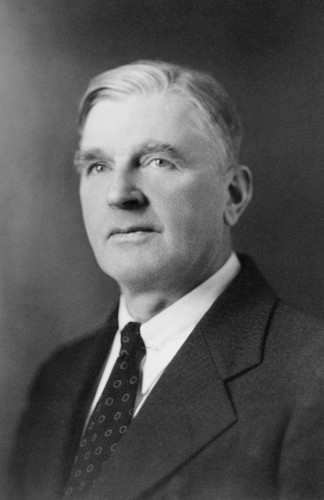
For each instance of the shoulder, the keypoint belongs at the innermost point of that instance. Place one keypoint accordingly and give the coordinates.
(73, 361)
(72, 352)
(296, 333)
(299, 332)
(295, 346)
(287, 313)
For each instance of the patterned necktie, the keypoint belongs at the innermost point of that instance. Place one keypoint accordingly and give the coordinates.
(111, 416)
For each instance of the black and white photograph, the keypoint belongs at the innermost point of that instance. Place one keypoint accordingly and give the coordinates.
(161, 255)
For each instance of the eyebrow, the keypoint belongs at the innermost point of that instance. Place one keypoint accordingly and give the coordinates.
(83, 157)
(158, 147)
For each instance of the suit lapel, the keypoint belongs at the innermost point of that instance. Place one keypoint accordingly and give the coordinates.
(187, 408)
(190, 405)
(237, 324)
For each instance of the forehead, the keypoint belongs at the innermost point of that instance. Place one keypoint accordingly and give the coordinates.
(163, 117)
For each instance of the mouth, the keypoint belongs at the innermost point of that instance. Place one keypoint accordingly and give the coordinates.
(131, 235)
(130, 230)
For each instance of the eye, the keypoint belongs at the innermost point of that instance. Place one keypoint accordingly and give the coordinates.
(159, 163)
(96, 168)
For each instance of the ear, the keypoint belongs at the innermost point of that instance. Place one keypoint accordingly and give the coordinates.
(240, 188)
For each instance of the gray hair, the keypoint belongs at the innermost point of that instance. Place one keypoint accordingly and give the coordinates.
(145, 77)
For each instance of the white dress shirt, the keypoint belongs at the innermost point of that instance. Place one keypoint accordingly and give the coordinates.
(164, 334)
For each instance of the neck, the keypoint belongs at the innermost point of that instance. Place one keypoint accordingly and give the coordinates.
(143, 306)
(144, 302)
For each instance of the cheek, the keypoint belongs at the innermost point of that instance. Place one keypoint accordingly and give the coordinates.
(195, 209)
(185, 224)
(90, 212)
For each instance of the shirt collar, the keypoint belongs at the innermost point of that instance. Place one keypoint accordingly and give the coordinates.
(173, 323)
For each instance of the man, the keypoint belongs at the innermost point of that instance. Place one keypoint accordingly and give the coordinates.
(203, 384)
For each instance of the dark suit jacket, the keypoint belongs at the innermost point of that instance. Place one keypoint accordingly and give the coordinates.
(238, 413)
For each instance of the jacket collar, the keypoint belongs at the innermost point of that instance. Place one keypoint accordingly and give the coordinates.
(236, 325)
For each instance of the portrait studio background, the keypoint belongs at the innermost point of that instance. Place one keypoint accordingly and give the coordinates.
(268, 55)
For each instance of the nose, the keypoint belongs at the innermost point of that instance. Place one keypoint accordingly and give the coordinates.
(123, 192)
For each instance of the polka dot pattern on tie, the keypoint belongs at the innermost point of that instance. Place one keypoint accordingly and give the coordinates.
(111, 417)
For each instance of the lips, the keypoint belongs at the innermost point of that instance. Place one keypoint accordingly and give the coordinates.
(131, 229)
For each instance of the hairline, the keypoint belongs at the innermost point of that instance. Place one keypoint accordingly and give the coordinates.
(120, 83)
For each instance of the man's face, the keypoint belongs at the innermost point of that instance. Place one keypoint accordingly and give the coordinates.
(152, 194)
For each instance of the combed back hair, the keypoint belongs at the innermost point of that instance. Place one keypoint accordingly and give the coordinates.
(215, 108)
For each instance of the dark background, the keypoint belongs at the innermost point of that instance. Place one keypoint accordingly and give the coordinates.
(269, 56)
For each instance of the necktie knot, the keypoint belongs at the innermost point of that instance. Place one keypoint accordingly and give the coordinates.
(131, 341)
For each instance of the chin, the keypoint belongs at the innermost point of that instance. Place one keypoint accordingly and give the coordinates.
(130, 274)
